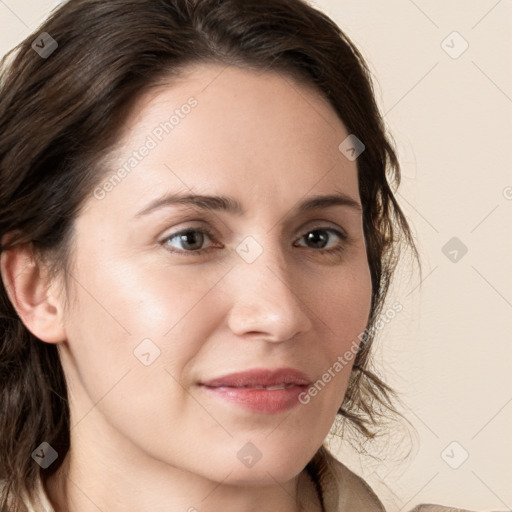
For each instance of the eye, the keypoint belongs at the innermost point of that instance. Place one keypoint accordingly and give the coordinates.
(192, 243)
(319, 238)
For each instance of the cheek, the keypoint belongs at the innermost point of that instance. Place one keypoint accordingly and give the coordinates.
(342, 306)
(346, 307)
(131, 335)
(140, 316)
(346, 316)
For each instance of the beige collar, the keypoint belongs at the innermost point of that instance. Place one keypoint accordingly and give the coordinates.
(341, 489)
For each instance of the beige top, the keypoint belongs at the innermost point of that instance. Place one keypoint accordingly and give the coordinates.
(344, 491)
(341, 490)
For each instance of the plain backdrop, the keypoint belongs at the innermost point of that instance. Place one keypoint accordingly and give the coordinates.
(443, 79)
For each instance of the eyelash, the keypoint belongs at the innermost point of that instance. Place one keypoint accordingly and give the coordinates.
(326, 252)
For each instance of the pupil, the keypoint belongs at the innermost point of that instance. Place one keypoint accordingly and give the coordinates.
(315, 237)
(191, 235)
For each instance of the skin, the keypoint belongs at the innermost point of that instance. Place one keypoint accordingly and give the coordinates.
(148, 437)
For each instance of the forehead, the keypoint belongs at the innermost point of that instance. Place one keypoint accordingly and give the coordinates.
(219, 128)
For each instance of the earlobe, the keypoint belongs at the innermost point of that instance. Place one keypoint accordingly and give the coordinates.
(30, 293)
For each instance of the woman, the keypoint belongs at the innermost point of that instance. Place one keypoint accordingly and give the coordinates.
(198, 234)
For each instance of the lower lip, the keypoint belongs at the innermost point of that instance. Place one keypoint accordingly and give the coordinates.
(260, 400)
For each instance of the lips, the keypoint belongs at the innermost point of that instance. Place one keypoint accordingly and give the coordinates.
(259, 390)
(261, 378)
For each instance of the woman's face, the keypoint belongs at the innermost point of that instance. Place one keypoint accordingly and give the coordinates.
(156, 315)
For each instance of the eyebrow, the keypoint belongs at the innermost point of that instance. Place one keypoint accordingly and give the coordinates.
(231, 205)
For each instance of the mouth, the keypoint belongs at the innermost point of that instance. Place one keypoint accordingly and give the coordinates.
(260, 390)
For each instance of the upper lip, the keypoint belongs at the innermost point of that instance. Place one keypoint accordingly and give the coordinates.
(260, 377)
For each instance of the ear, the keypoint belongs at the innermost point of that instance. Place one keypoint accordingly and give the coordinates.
(31, 294)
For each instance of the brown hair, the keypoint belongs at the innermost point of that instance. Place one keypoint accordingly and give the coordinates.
(60, 115)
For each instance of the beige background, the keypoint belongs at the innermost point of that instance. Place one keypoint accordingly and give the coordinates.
(449, 351)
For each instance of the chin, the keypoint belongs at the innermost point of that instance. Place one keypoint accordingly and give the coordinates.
(264, 475)
(274, 465)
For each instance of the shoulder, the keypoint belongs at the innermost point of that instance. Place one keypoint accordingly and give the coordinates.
(342, 489)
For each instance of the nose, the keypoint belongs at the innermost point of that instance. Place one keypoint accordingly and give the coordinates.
(267, 299)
